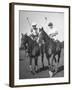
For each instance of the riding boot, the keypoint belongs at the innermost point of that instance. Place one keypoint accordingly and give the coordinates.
(56, 67)
(36, 68)
(40, 48)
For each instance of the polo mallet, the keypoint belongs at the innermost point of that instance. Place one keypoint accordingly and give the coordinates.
(28, 21)
(45, 19)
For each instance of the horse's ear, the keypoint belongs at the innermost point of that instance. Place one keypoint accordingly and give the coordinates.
(42, 28)
(26, 34)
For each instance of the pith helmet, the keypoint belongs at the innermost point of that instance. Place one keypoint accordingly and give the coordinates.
(50, 24)
(34, 25)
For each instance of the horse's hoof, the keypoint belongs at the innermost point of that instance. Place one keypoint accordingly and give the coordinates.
(50, 73)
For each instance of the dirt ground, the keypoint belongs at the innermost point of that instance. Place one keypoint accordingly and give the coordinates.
(24, 70)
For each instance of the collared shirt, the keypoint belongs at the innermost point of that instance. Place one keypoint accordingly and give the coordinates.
(53, 33)
(34, 34)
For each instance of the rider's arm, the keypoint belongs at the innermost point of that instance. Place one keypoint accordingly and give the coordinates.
(53, 34)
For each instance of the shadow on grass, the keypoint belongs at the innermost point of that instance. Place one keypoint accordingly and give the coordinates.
(47, 68)
(59, 70)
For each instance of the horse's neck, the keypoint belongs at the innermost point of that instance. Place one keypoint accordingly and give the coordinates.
(46, 37)
(30, 42)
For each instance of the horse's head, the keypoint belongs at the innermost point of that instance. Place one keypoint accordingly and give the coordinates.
(43, 35)
(24, 40)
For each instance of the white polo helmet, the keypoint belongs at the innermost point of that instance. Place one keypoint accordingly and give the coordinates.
(34, 24)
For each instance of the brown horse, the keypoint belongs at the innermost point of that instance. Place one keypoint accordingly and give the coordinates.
(52, 48)
(33, 49)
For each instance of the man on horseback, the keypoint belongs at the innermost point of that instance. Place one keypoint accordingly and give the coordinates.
(52, 32)
(49, 47)
(53, 35)
(34, 36)
(34, 32)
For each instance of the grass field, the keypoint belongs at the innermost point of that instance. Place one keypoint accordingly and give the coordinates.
(24, 70)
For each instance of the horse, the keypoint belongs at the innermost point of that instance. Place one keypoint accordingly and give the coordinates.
(33, 49)
(52, 48)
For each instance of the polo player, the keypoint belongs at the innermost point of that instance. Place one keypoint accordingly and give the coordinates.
(34, 32)
(34, 36)
(51, 31)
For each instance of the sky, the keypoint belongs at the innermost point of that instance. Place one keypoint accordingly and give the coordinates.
(57, 18)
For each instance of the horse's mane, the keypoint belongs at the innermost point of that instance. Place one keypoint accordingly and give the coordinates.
(45, 34)
(48, 38)
(30, 40)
